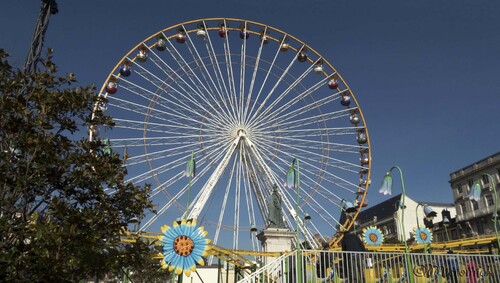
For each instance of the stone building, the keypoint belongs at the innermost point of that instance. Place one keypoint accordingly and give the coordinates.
(387, 217)
(475, 218)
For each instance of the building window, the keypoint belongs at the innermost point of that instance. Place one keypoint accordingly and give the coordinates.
(486, 179)
(480, 228)
(490, 200)
(391, 229)
(463, 208)
(475, 205)
(471, 183)
(459, 189)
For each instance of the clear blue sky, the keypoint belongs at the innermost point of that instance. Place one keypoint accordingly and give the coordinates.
(426, 73)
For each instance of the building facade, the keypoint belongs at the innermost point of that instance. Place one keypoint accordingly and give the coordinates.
(387, 217)
(475, 218)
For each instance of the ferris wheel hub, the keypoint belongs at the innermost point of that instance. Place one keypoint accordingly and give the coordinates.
(242, 133)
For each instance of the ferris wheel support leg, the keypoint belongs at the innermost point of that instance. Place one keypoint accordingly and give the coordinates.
(207, 189)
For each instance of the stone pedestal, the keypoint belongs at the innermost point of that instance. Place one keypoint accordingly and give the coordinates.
(275, 240)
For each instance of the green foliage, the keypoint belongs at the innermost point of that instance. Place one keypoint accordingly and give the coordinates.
(58, 221)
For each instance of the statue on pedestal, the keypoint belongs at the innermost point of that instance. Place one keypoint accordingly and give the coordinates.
(275, 212)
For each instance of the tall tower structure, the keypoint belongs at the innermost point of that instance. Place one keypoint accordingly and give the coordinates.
(48, 7)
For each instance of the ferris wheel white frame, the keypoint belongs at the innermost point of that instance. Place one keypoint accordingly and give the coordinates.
(211, 84)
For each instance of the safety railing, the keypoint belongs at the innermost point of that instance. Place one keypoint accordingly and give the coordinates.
(369, 267)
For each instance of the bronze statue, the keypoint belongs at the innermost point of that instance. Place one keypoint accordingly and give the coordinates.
(275, 212)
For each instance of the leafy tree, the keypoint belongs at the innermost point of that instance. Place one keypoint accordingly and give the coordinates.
(63, 198)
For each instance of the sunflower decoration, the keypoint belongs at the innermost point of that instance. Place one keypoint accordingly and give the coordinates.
(423, 235)
(372, 236)
(184, 245)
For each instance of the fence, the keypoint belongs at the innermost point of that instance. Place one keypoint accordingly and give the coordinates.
(350, 267)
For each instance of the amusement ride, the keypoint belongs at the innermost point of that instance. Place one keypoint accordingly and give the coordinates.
(240, 101)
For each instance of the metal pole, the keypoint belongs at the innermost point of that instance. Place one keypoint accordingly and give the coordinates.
(416, 214)
(48, 7)
(218, 270)
(299, 254)
(446, 232)
(495, 213)
(409, 265)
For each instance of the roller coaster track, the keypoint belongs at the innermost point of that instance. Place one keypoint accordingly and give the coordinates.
(239, 258)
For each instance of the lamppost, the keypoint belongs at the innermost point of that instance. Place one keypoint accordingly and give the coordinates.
(429, 214)
(475, 194)
(446, 223)
(191, 173)
(386, 189)
(293, 181)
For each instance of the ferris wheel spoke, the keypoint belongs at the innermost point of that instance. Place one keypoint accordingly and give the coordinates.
(186, 91)
(148, 76)
(265, 81)
(304, 110)
(151, 141)
(152, 98)
(250, 201)
(186, 69)
(198, 60)
(170, 166)
(236, 219)
(163, 187)
(308, 156)
(153, 172)
(323, 213)
(258, 186)
(229, 72)
(250, 178)
(233, 101)
(264, 105)
(173, 118)
(151, 127)
(343, 185)
(254, 75)
(243, 58)
(206, 74)
(308, 121)
(207, 189)
(224, 202)
(160, 212)
(225, 95)
(177, 131)
(281, 110)
(163, 85)
(211, 158)
(284, 94)
(158, 155)
(311, 135)
(202, 92)
(307, 141)
(271, 177)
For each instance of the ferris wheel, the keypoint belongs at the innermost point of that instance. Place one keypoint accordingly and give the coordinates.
(247, 105)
